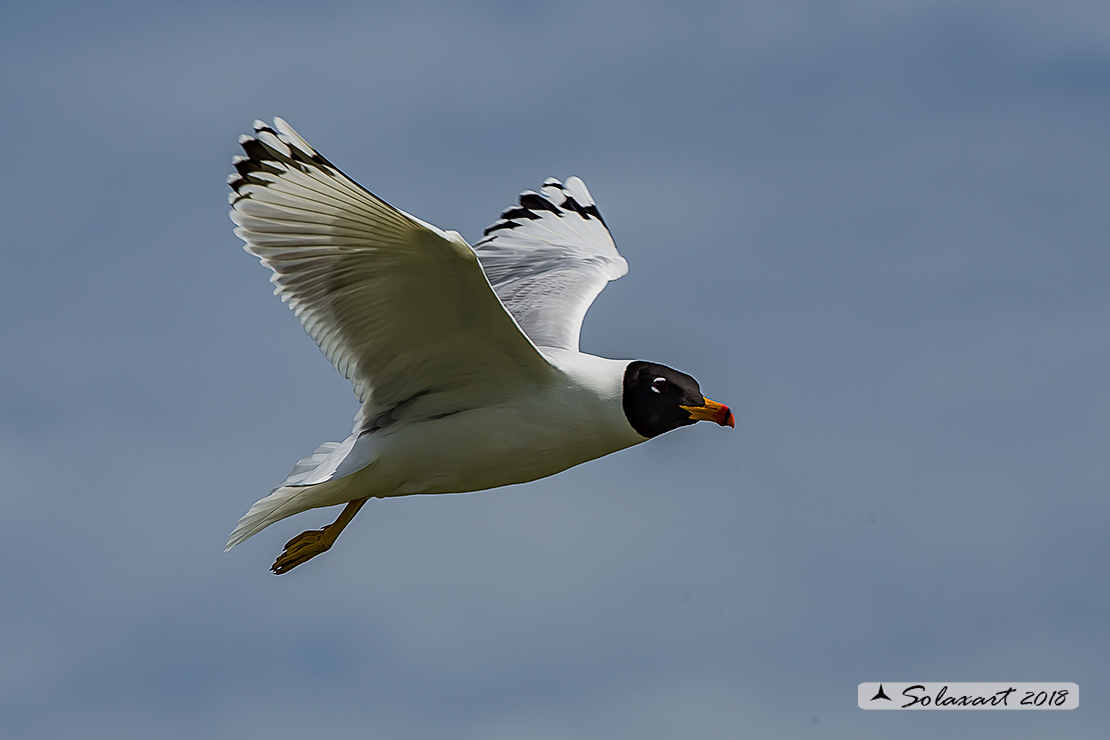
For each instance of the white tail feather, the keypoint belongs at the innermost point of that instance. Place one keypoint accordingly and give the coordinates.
(308, 486)
(284, 502)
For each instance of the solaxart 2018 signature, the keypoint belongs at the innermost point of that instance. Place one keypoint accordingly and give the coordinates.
(973, 695)
(917, 695)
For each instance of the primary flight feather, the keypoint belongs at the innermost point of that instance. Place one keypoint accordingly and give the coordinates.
(464, 359)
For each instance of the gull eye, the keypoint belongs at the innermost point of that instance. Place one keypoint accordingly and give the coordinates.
(659, 385)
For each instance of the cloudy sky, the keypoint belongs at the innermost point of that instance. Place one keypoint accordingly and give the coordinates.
(878, 230)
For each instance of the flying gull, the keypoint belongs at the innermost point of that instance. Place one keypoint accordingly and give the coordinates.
(464, 358)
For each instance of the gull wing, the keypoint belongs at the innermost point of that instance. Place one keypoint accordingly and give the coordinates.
(548, 258)
(401, 308)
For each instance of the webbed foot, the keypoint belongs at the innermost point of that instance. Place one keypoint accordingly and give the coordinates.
(308, 545)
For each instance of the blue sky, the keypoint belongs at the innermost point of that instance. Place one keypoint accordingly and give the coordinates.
(878, 231)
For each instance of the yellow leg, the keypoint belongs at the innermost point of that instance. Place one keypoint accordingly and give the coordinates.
(308, 545)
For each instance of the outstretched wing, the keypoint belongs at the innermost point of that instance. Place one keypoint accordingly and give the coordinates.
(399, 307)
(548, 258)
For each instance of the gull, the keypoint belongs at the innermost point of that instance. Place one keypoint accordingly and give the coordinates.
(464, 359)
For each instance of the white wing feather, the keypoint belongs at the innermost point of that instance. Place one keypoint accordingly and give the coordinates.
(399, 307)
(548, 259)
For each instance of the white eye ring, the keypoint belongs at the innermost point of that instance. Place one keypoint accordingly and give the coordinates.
(659, 385)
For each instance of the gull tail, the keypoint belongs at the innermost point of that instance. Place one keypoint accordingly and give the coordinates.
(317, 480)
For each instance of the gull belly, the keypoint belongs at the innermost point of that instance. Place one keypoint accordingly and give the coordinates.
(526, 436)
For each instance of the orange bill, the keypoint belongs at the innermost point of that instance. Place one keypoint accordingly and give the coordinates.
(711, 411)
